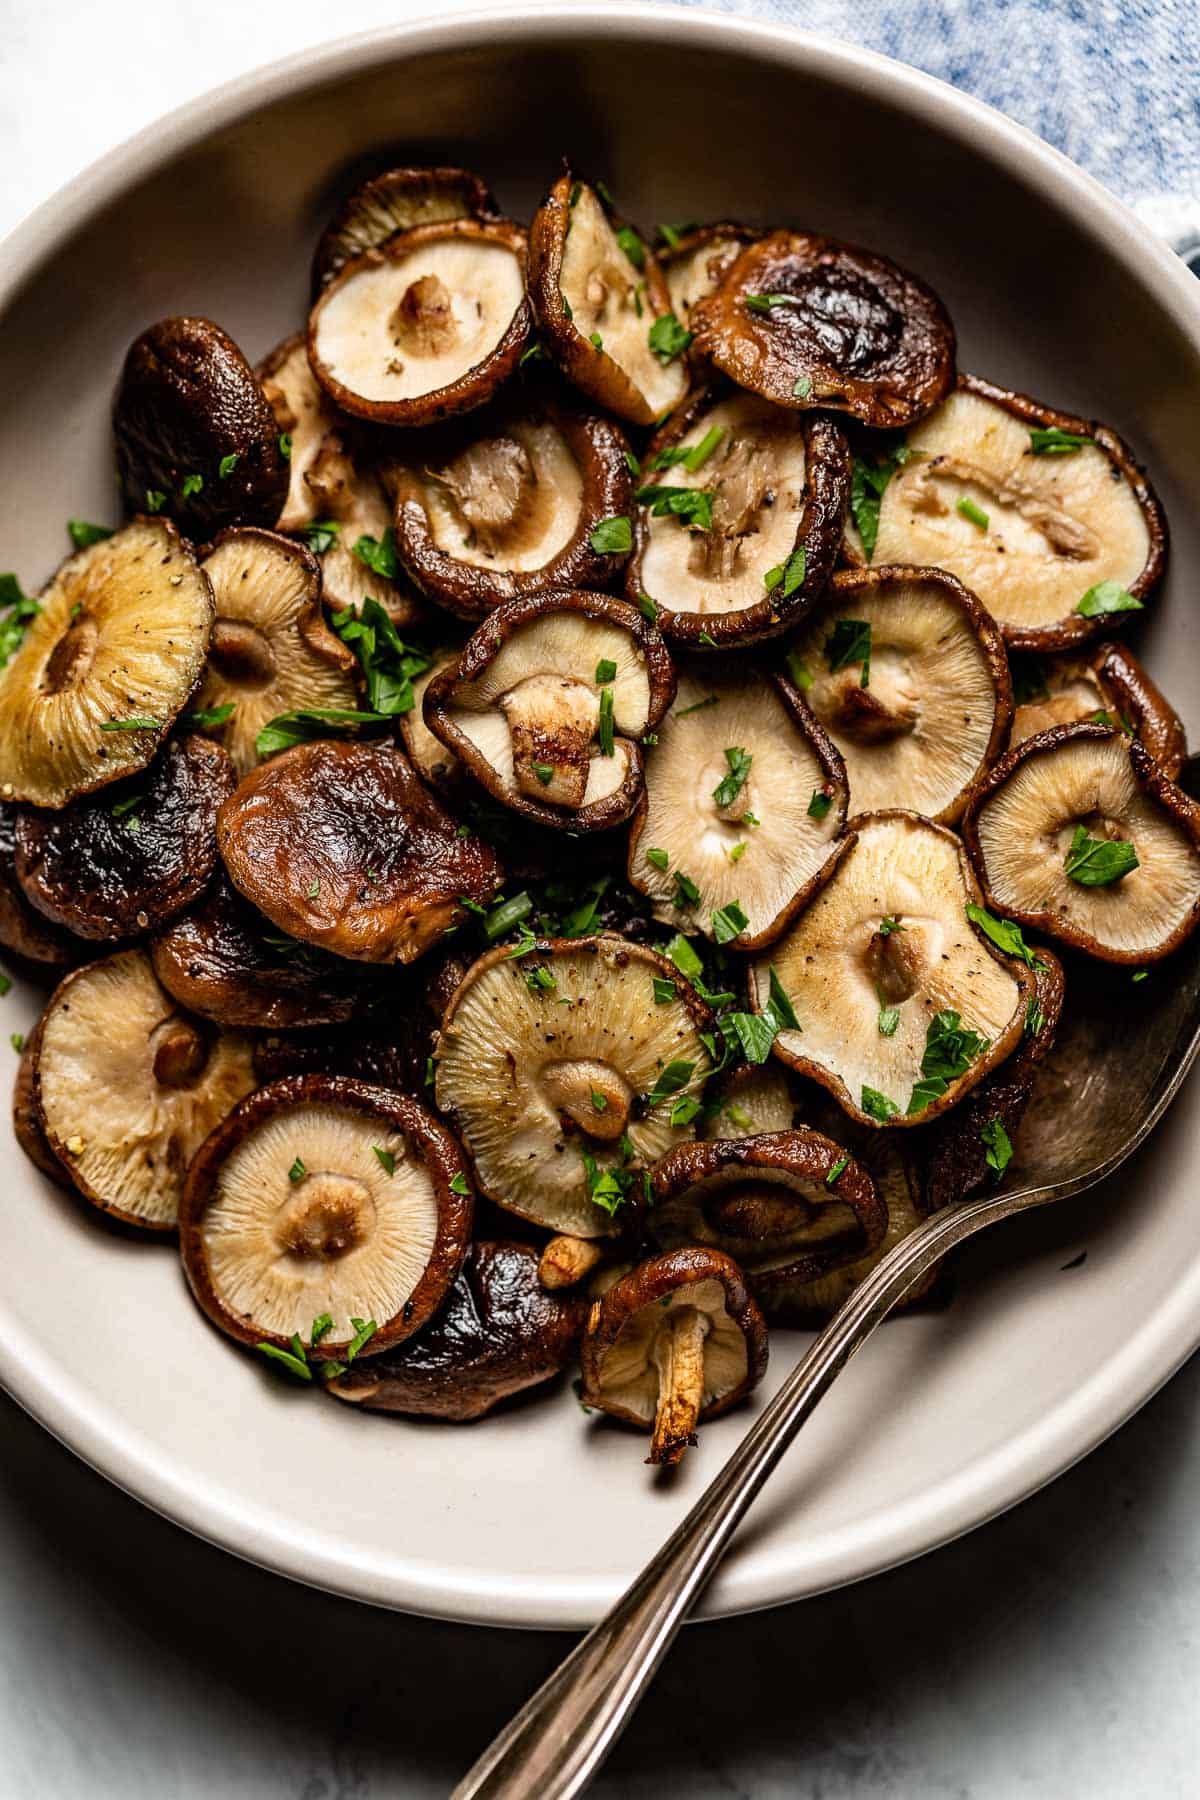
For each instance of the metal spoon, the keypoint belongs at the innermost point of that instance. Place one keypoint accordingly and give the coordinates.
(1122, 1054)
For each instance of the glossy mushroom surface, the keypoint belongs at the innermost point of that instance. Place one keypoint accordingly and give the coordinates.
(1078, 833)
(901, 1004)
(1051, 536)
(908, 675)
(675, 1341)
(23, 930)
(549, 702)
(194, 434)
(395, 201)
(808, 321)
(1106, 683)
(744, 807)
(324, 1197)
(426, 325)
(497, 1334)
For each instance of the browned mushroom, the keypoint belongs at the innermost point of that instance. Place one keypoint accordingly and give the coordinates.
(900, 1006)
(195, 436)
(740, 516)
(342, 846)
(325, 1212)
(130, 858)
(807, 321)
(744, 807)
(224, 960)
(788, 1206)
(396, 201)
(602, 305)
(695, 261)
(677, 1340)
(548, 704)
(128, 1086)
(568, 1260)
(26, 1120)
(1107, 683)
(426, 325)
(513, 502)
(431, 759)
(23, 931)
(908, 675)
(1047, 518)
(1079, 833)
(498, 1333)
(112, 656)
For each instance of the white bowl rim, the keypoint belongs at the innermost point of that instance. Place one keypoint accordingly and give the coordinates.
(1151, 1354)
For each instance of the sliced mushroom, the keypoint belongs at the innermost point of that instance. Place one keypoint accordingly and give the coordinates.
(901, 1006)
(271, 650)
(195, 436)
(695, 262)
(754, 552)
(1078, 832)
(744, 808)
(426, 325)
(508, 504)
(431, 759)
(562, 1071)
(498, 1334)
(1106, 683)
(908, 675)
(129, 859)
(568, 1260)
(128, 1087)
(1037, 534)
(755, 1098)
(548, 703)
(787, 1206)
(396, 201)
(223, 960)
(677, 1340)
(111, 657)
(24, 931)
(320, 1198)
(602, 305)
(807, 321)
(342, 846)
(26, 1120)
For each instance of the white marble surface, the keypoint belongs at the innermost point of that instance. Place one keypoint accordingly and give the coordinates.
(1054, 1654)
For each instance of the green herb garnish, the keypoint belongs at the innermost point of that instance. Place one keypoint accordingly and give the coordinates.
(667, 338)
(1099, 862)
(82, 534)
(731, 784)
(1053, 442)
(850, 642)
(612, 537)
(1107, 597)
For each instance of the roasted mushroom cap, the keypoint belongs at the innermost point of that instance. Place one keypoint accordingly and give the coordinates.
(431, 759)
(767, 494)
(1078, 833)
(195, 436)
(507, 504)
(562, 1073)
(807, 321)
(128, 1087)
(26, 1120)
(787, 1206)
(908, 675)
(498, 1333)
(223, 960)
(271, 651)
(745, 803)
(110, 659)
(1106, 683)
(396, 201)
(323, 1197)
(604, 313)
(1034, 532)
(426, 325)
(24, 931)
(694, 262)
(548, 702)
(675, 1341)
(755, 1098)
(901, 1005)
(342, 846)
(129, 859)
(336, 497)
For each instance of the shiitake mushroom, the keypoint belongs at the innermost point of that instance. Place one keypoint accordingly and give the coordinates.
(195, 437)
(130, 858)
(1106, 683)
(396, 201)
(23, 930)
(695, 261)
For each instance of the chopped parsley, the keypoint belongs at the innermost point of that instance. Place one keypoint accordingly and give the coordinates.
(684, 1110)
(458, 1184)
(287, 730)
(19, 610)
(606, 670)
(599, 1101)
(228, 464)
(539, 980)
(668, 338)
(387, 1160)
(691, 506)
(285, 445)
(632, 246)
(787, 576)
(364, 1329)
(728, 922)
(950, 1049)
(1140, 975)
(850, 642)
(647, 608)
(1004, 934)
(801, 675)
(731, 784)
(378, 554)
(736, 851)
(868, 485)
(612, 537)
(322, 1325)
(1099, 862)
(122, 808)
(687, 893)
(82, 534)
(323, 534)
(684, 957)
(211, 715)
(544, 772)
(997, 1144)
(658, 859)
(670, 1079)
(1035, 1017)
(664, 990)
(155, 500)
(889, 1018)
(842, 1163)
(192, 484)
(387, 662)
(766, 303)
(819, 805)
(1107, 597)
(877, 1105)
(595, 340)
(298, 1170)
(17, 1040)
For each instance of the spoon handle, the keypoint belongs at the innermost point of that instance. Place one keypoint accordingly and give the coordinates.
(562, 1735)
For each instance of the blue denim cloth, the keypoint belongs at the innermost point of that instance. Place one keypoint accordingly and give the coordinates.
(1113, 83)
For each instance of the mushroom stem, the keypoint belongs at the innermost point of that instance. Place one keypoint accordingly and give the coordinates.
(552, 720)
(591, 1093)
(679, 1357)
(180, 1053)
(567, 1260)
(241, 652)
(424, 323)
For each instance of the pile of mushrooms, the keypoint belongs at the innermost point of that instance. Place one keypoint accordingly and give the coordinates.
(470, 971)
